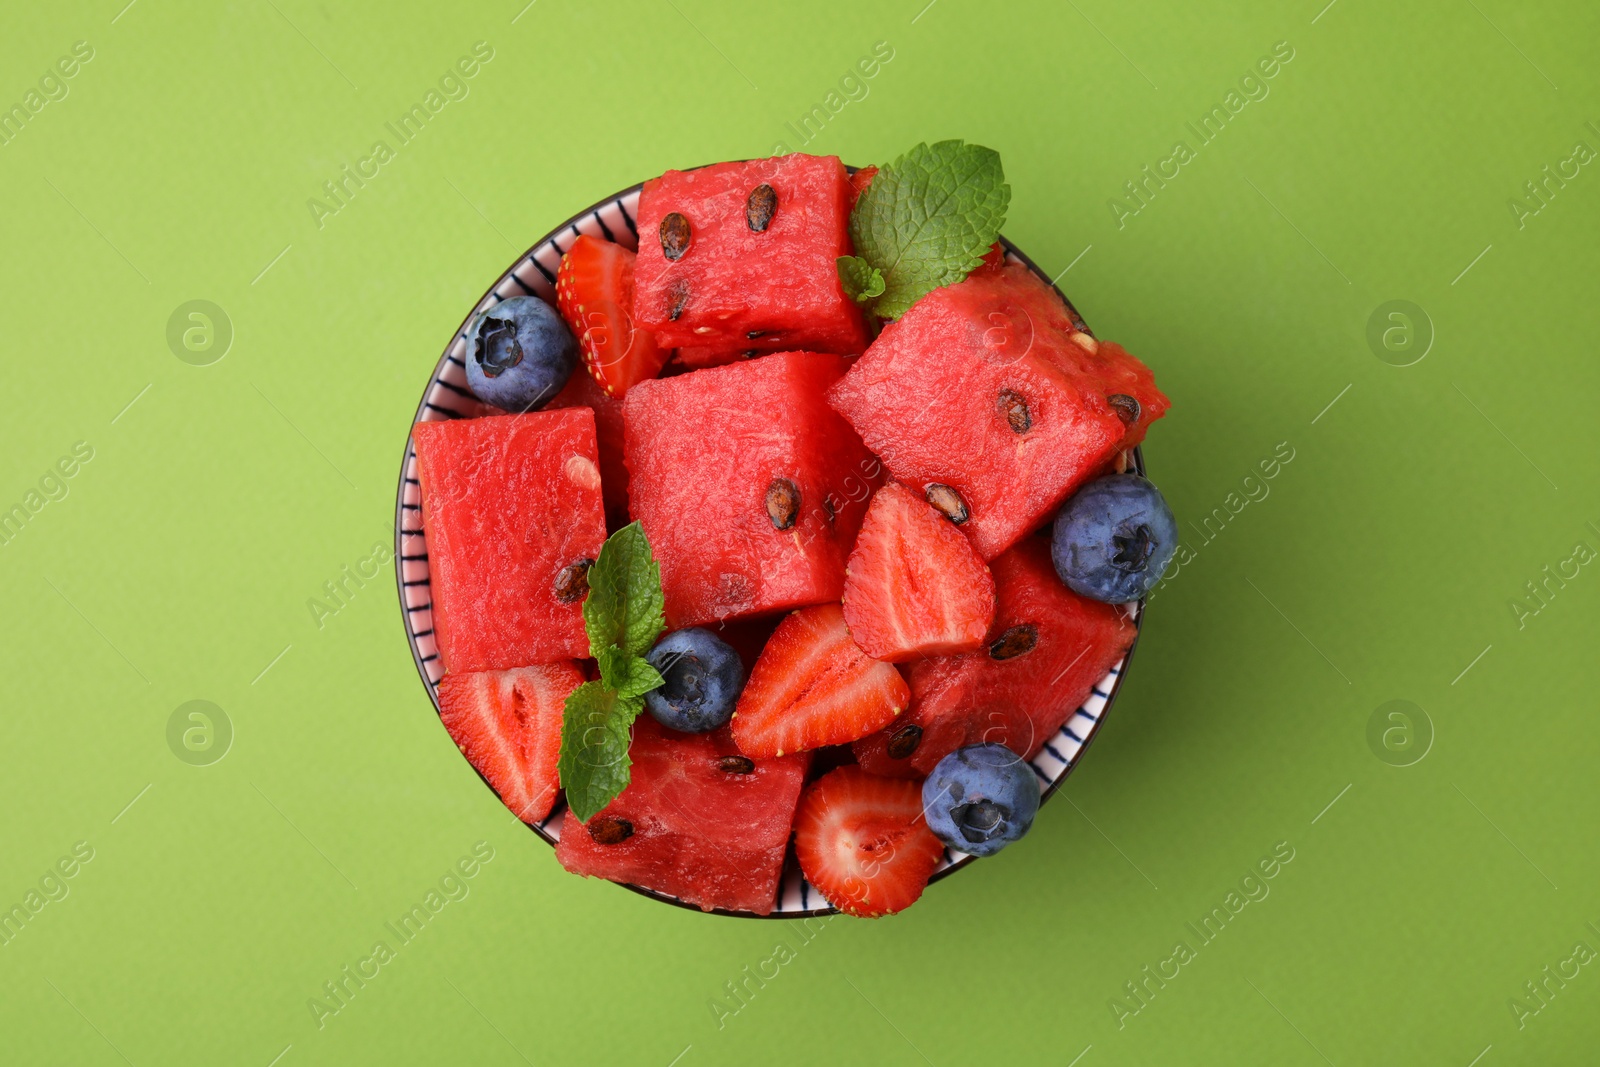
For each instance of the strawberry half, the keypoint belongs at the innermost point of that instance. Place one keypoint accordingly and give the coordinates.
(594, 292)
(863, 842)
(914, 585)
(508, 725)
(812, 686)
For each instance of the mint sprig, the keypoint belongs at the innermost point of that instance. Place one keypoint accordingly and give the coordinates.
(594, 764)
(623, 615)
(623, 612)
(925, 221)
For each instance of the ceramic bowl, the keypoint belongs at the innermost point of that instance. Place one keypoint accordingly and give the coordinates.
(446, 397)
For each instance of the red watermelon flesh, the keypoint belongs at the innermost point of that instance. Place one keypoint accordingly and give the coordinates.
(508, 725)
(582, 391)
(749, 272)
(981, 387)
(698, 358)
(692, 822)
(750, 488)
(509, 504)
(1056, 646)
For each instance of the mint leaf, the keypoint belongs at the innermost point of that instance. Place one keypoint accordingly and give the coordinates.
(594, 764)
(623, 617)
(632, 676)
(623, 612)
(928, 218)
(861, 280)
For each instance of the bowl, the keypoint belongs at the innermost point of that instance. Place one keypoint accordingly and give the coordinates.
(446, 397)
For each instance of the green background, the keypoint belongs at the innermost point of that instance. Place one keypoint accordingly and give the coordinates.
(1382, 565)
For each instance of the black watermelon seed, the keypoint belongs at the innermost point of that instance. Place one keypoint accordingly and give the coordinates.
(753, 334)
(948, 501)
(1014, 406)
(609, 829)
(783, 503)
(1014, 642)
(680, 297)
(760, 207)
(674, 235)
(1126, 407)
(737, 764)
(904, 741)
(573, 581)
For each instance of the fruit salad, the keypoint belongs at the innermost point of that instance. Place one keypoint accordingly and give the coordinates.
(788, 538)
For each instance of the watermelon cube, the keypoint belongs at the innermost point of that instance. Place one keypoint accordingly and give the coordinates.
(1047, 648)
(739, 257)
(986, 397)
(750, 488)
(582, 391)
(512, 512)
(697, 821)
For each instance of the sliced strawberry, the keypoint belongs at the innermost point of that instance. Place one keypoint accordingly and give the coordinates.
(863, 842)
(594, 291)
(508, 725)
(860, 180)
(812, 687)
(914, 586)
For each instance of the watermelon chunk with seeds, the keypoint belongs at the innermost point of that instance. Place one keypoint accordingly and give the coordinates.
(697, 821)
(987, 392)
(743, 256)
(511, 509)
(750, 488)
(1047, 648)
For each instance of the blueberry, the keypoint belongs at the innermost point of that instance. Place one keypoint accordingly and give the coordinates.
(519, 354)
(980, 798)
(704, 677)
(1114, 539)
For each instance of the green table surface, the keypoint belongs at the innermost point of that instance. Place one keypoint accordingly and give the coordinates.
(1428, 540)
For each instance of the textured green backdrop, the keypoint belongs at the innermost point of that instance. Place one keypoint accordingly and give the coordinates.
(1441, 860)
